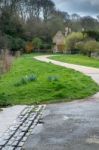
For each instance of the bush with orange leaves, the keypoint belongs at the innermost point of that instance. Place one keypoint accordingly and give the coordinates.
(29, 47)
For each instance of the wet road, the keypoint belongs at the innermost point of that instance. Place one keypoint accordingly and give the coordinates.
(67, 126)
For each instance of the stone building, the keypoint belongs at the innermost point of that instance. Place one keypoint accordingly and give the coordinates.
(59, 42)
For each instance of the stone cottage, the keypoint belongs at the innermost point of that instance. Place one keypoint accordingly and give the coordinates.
(59, 41)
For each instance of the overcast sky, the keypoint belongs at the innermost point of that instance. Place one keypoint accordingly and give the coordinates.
(82, 7)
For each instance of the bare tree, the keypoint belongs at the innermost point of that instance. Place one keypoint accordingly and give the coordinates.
(47, 8)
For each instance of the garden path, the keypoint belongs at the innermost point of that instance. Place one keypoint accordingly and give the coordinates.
(90, 71)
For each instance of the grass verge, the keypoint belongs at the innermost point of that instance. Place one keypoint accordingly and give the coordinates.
(78, 59)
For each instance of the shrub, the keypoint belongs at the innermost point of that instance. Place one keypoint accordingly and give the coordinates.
(53, 78)
(72, 39)
(29, 47)
(15, 44)
(32, 78)
(26, 80)
(88, 47)
(46, 46)
(80, 46)
(20, 44)
(4, 42)
(92, 34)
(91, 46)
(37, 42)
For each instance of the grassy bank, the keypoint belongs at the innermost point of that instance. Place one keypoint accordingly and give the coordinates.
(33, 82)
(78, 59)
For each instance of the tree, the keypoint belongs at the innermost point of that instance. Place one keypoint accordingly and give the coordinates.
(15, 44)
(63, 15)
(92, 34)
(80, 47)
(47, 7)
(55, 24)
(91, 46)
(11, 24)
(37, 43)
(72, 39)
(4, 42)
(88, 23)
(75, 17)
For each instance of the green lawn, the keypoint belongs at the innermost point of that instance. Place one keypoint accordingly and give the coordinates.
(33, 82)
(78, 59)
